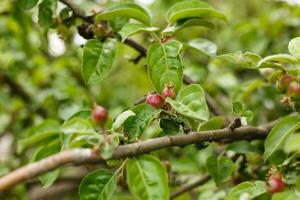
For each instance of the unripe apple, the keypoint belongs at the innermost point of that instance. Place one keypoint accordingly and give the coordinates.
(275, 184)
(155, 100)
(99, 114)
(294, 90)
(169, 91)
(283, 83)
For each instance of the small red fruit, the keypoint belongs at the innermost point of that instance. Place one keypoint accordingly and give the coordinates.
(294, 90)
(275, 184)
(284, 82)
(155, 100)
(99, 114)
(169, 91)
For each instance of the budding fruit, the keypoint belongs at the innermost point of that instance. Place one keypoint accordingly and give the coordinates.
(283, 83)
(275, 184)
(169, 91)
(294, 90)
(99, 114)
(155, 100)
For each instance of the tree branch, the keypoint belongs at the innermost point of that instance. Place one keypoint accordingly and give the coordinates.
(189, 187)
(78, 12)
(80, 156)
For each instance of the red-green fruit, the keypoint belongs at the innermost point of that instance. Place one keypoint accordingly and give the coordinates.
(99, 114)
(169, 91)
(284, 82)
(294, 90)
(155, 100)
(275, 184)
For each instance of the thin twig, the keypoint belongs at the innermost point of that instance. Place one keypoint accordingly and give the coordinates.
(188, 187)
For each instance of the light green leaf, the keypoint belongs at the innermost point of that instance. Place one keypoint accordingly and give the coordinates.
(191, 103)
(47, 179)
(46, 11)
(121, 119)
(205, 46)
(98, 185)
(251, 190)
(27, 4)
(274, 61)
(98, 58)
(192, 9)
(144, 115)
(147, 178)
(292, 143)
(219, 168)
(126, 10)
(279, 134)
(285, 195)
(165, 65)
(245, 60)
(39, 133)
(212, 124)
(294, 47)
(131, 29)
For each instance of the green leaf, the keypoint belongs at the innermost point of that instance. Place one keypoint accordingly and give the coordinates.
(192, 9)
(274, 61)
(212, 124)
(27, 4)
(131, 29)
(251, 190)
(279, 134)
(39, 133)
(191, 102)
(292, 143)
(126, 10)
(245, 60)
(242, 147)
(121, 119)
(286, 195)
(169, 126)
(165, 65)
(47, 179)
(248, 114)
(144, 115)
(147, 178)
(46, 11)
(98, 58)
(98, 185)
(84, 114)
(294, 47)
(238, 108)
(75, 127)
(205, 46)
(219, 168)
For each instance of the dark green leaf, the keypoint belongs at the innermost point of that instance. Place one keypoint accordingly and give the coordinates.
(147, 178)
(98, 185)
(98, 58)
(212, 124)
(120, 120)
(169, 126)
(46, 12)
(165, 65)
(219, 168)
(238, 108)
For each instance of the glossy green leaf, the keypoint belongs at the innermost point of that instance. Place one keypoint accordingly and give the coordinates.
(238, 107)
(98, 58)
(126, 10)
(46, 11)
(131, 29)
(27, 4)
(279, 134)
(204, 46)
(192, 9)
(212, 124)
(147, 178)
(144, 115)
(294, 47)
(165, 65)
(245, 60)
(39, 133)
(48, 178)
(219, 168)
(98, 185)
(251, 190)
(274, 61)
(191, 102)
(121, 119)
